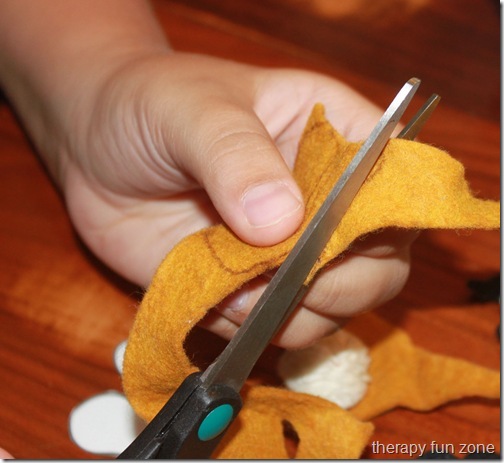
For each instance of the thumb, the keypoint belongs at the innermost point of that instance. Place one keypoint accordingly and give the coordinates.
(236, 161)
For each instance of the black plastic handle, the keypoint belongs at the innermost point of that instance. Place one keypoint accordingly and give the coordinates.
(190, 425)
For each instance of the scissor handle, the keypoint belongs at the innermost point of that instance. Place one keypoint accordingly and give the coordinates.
(190, 425)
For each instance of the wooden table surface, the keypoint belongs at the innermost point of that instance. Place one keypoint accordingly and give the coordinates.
(62, 313)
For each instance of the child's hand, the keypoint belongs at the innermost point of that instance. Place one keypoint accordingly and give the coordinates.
(149, 146)
(170, 144)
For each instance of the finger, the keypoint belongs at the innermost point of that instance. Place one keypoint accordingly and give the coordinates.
(217, 324)
(248, 181)
(352, 114)
(301, 330)
(305, 328)
(373, 272)
(384, 243)
(357, 284)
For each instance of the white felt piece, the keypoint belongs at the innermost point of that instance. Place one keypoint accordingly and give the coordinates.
(104, 424)
(336, 369)
(119, 356)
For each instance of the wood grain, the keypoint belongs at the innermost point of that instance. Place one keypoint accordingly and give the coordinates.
(62, 312)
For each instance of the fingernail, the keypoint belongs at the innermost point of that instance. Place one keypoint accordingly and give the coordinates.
(236, 302)
(269, 203)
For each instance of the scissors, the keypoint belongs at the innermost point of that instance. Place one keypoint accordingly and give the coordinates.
(193, 421)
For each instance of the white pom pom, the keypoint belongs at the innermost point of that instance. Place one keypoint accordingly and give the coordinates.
(336, 369)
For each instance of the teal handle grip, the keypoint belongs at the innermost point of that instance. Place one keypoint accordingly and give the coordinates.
(190, 425)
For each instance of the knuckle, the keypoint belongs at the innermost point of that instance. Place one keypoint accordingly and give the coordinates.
(229, 149)
(359, 284)
(304, 329)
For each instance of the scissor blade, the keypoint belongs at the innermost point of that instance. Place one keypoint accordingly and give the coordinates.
(413, 127)
(285, 290)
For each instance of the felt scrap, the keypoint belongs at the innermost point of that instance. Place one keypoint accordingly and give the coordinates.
(409, 376)
(325, 430)
(411, 186)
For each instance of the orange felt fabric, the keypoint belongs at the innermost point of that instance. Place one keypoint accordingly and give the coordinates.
(325, 430)
(403, 374)
(411, 186)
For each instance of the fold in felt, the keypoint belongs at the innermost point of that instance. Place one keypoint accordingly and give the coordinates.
(411, 186)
